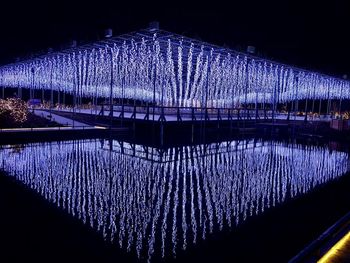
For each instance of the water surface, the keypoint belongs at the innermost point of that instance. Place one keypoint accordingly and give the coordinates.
(155, 202)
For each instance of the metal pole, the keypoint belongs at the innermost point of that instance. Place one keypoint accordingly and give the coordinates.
(111, 90)
(162, 117)
(319, 109)
(32, 87)
(329, 101)
(274, 100)
(306, 109)
(256, 106)
(340, 101)
(154, 89)
(246, 88)
(296, 103)
(75, 83)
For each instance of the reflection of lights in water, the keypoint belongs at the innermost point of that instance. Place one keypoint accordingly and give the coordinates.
(158, 206)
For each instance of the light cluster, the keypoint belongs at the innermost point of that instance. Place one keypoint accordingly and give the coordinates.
(171, 73)
(15, 109)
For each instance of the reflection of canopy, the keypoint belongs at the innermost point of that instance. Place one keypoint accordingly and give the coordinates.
(193, 191)
(172, 70)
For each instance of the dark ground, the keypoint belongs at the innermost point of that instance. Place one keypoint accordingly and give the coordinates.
(33, 121)
(36, 231)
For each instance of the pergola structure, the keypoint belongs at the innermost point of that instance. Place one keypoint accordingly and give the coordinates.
(164, 69)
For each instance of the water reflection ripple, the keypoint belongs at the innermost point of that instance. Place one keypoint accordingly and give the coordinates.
(155, 202)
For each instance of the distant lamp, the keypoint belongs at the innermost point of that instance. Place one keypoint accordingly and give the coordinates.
(108, 32)
(154, 26)
(345, 76)
(251, 49)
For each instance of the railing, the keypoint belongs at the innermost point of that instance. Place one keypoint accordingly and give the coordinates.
(58, 128)
(165, 113)
(316, 249)
(161, 113)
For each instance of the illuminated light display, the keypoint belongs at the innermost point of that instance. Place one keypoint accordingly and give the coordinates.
(157, 203)
(170, 70)
(15, 108)
(337, 252)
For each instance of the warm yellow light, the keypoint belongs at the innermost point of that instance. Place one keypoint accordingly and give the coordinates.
(335, 250)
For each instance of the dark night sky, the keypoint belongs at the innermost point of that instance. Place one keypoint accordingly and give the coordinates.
(311, 35)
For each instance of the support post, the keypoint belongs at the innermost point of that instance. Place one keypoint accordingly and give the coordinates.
(111, 90)
(305, 111)
(193, 115)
